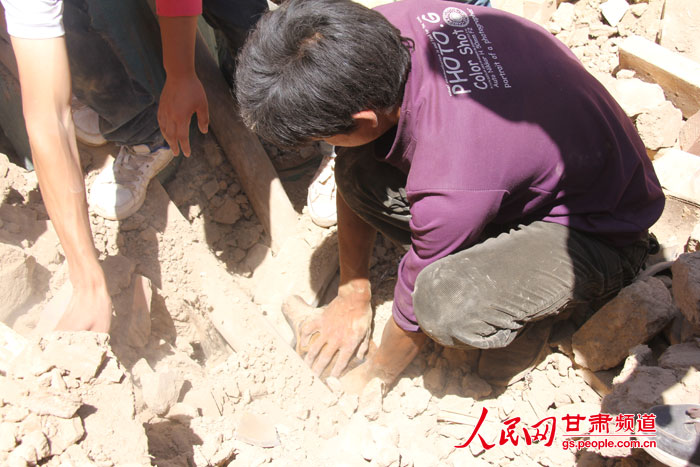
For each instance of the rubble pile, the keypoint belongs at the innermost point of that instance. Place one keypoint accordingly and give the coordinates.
(66, 400)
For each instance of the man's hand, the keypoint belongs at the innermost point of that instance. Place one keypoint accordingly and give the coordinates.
(90, 309)
(180, 99)
(183, 94)
(343, 328)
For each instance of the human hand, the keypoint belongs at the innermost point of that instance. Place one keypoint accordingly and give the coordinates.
(90, 309)
(343, 328)
(179, 100)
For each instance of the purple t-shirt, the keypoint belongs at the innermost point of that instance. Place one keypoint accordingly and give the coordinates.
(501, 124)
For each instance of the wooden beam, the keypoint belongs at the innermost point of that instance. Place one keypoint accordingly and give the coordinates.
(243, 149)
(677, 75)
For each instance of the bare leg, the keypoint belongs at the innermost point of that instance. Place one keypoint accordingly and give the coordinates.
(396, 351)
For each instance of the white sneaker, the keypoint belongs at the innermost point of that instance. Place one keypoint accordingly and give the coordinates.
(322, 191)
(87, 124)
(120, 189)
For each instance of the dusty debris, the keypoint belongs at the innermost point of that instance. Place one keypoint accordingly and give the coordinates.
(197, 341)
(76, 408)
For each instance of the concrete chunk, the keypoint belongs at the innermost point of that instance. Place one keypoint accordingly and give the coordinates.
(16, 276)
(79, 353)
(659, 127)
(614, 10)
(679, 174)
(677, 75)
(635, 96)
(689, 138)
(680, 27)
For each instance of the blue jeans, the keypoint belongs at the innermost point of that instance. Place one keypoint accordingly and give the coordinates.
(115, 57)
(114, 51)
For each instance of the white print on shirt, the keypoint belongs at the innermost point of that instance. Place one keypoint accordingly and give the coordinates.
(467, 57)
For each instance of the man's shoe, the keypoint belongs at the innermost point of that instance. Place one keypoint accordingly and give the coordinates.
(322, 192)
(677, 435)
(87, 124)
(120, 189)
(508, 365)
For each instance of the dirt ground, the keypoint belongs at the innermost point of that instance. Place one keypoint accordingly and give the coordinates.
(199, 368)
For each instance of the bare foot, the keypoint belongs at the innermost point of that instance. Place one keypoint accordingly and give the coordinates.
(355, 381)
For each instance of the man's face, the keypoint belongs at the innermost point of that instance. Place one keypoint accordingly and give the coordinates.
(351, 140)
(370, 126)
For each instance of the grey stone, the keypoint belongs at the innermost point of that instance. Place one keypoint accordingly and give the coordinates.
(686, 286)
(681, 356)
(639, 312)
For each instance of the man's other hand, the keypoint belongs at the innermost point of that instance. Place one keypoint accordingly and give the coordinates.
(340, 330)
(90, 309)
(180, 99)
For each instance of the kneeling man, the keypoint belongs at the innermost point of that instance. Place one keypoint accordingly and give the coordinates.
(474, 138)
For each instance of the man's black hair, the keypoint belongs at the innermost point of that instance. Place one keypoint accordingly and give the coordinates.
(311, 64)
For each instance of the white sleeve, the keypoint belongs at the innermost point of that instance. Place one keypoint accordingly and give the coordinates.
(34, 19)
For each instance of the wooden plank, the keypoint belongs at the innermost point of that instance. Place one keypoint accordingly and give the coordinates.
(243, 149)
(677, 75)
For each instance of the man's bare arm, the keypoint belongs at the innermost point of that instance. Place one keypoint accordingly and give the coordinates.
(45, 82)
(183, 94)
(345, 325)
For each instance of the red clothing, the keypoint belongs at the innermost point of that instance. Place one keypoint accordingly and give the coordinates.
(178, 7)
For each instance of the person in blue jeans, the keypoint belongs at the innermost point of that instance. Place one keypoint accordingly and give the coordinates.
(112, 53)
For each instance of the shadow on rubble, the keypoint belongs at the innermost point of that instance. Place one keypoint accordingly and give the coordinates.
(166, 440)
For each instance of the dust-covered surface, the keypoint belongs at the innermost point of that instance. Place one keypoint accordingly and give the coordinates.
(198, 369)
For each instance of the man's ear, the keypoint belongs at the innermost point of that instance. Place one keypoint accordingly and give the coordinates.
(366, 117)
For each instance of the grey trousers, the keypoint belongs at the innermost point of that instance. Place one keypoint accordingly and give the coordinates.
(484, 295)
